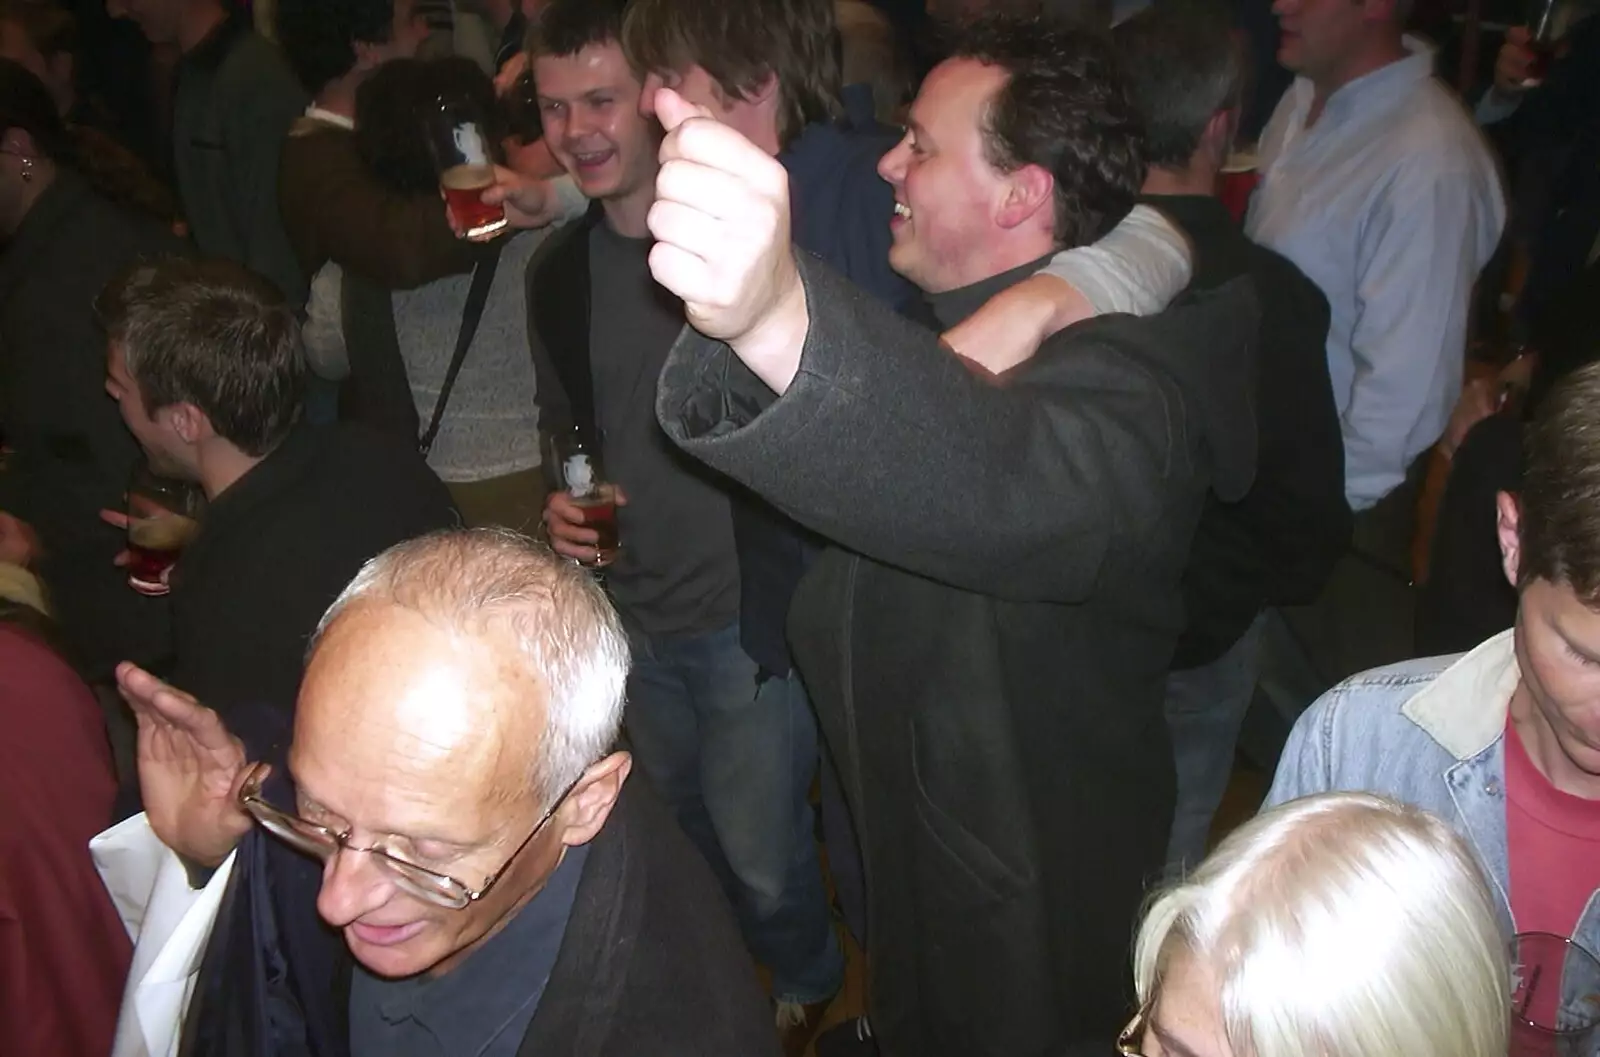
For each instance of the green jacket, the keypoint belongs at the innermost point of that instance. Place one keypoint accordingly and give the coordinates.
(232, 108)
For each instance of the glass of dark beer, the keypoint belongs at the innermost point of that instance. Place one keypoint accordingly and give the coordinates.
(458, 139)
(163, 517)
(583, 477)
(1555, 997)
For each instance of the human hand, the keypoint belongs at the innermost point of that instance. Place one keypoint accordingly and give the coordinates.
(721, 223)
(1479, 399)
(118, 519)
(567, 530)
(528, 202)
(1514, 63)
(190, 769)
(19, 545)
(514, 68)
(1009, 329)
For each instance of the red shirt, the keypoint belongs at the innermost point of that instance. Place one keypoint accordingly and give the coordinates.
(1554, 842)
(63, 950)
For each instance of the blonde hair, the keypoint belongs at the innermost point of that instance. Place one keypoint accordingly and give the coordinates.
(1341, 925)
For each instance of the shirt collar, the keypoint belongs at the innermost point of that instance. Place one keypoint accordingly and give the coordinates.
(1465, 708)
(1381, 88)
(209, 53)
(468, 1007)
(328, 117)
(954, 306)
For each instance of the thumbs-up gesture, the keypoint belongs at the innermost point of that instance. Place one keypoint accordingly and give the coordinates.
(721, 223)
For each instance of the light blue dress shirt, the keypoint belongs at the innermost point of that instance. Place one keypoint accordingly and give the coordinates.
(1391, 202)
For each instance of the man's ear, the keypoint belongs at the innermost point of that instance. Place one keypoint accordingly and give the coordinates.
(1027, 191)
(763, 90)
(589, 804)
(1508, 526)
(17, 142)
(188, 422)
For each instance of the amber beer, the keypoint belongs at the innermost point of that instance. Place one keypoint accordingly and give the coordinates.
(1547, 25)
(465, 162)
(463, 187)
(154, 544)
(600, 513)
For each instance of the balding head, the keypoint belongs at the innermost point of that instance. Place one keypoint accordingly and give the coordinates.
(454, 691)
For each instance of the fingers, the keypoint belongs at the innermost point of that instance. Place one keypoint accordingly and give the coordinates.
(117, 518)
(702, 187)
(150, 697)
(564, 520)
(686, 275)
(673, 109)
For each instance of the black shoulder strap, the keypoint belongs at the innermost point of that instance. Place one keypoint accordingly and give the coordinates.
(471, 315)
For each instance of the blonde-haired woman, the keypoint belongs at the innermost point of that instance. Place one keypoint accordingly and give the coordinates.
(1339, 925)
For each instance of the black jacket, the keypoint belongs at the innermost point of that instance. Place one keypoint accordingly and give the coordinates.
(1277, 545)
(988, 641)
(73, 454)
(279, 545)
(651, 964)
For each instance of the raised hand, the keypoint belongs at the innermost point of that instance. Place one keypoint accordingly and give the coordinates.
(721, 221)
(190, 769)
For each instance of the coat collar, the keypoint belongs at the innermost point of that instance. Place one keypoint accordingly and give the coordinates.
(1465, 708)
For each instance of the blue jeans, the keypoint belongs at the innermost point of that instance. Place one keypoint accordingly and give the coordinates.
(1204, 709)
(734, 756)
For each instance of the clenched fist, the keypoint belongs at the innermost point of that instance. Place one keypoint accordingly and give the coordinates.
(721, 223)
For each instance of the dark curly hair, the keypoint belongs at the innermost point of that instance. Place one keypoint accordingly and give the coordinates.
(1065, 108)
(390, 134)
(319, 37)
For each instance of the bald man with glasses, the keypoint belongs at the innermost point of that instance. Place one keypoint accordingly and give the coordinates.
(452, 803)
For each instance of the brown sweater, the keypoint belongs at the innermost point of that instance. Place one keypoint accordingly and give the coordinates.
(334, 209)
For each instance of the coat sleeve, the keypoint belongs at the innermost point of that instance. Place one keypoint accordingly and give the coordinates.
(886, 445)
(255, 127)
(399, 241)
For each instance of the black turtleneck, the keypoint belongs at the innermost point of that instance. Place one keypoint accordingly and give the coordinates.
(953, 306)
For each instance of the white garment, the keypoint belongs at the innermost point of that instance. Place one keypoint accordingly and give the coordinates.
(169, 923)
(1138, 267)
(1391, 203)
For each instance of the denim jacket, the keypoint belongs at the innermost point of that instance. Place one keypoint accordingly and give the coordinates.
(1431, 733)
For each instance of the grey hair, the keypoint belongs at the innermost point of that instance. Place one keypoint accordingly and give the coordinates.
(1183, 65)
(477, 580)
(1344, 925)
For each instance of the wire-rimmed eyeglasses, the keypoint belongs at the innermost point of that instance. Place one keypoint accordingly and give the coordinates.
(324, 843)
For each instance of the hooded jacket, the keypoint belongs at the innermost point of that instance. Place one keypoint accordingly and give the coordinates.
(987, 640)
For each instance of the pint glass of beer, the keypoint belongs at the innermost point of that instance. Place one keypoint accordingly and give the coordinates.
(466, 166)
(163, 516)
(578, 455)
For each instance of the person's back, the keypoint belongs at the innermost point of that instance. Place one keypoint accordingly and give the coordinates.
(234, 100)
(63, 950)
(276, 548)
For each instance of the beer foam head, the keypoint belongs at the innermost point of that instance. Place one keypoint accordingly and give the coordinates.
(168, 532)
(467, 177)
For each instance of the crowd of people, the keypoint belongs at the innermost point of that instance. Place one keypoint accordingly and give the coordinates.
(980, 482)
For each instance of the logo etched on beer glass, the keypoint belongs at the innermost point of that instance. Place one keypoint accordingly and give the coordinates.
(466, 168)
(581, 475)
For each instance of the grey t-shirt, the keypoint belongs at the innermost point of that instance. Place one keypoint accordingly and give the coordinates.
(677, 573)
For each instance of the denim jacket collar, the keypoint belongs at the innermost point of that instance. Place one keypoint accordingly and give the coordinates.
(1465, 709)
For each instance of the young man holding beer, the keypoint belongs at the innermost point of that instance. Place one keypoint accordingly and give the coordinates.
(206, 364)
(729, 744)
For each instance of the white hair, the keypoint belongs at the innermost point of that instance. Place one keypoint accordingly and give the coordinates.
(1342, 925)
(477, 580)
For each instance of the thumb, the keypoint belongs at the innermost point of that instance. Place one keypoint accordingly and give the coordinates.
(673, 109)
